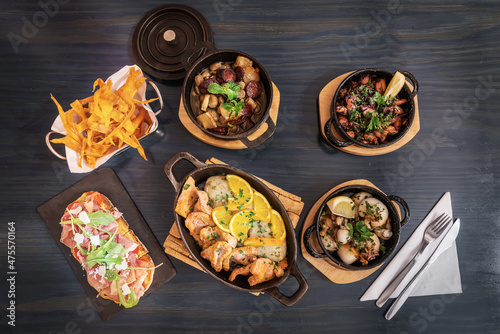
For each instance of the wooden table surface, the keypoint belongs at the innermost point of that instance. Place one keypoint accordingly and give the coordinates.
(452, 48)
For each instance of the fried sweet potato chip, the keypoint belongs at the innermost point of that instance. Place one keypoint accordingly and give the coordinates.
(106, 121)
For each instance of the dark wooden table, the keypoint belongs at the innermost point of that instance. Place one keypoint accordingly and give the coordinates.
(451, 47)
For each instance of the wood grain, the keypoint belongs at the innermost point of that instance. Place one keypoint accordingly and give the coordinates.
(450, 46)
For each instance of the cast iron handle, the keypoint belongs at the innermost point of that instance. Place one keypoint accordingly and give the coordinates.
(413, 81)
(187, 56)
(289, 301)
(406, 209)
(271, 126)
(169, 167)
(307, 242)
(331, 138)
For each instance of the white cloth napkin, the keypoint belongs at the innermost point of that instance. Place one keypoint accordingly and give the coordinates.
(118, 79)
(442, 277)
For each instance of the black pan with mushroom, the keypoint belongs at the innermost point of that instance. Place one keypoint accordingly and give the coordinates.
(228, 99)
(360, 238)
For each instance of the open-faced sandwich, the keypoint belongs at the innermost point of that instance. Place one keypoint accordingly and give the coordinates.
(117, 263)
(235, 226)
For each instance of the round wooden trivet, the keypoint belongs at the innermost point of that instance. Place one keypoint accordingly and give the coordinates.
(326, 266)
(230, 144)
(325, 100)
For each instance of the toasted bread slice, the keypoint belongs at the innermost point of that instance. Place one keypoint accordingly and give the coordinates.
(123, 228)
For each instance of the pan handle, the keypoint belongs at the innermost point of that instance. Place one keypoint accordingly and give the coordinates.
(331, 138)
(413, 81)
(169, 167)
(289, 301)
(406, 209)
(188, 57)
(271, 126)
(307, 243)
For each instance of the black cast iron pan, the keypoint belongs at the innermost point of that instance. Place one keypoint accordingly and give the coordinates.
(405, 93)
(396, 224)
(201, 172)
(214, 55)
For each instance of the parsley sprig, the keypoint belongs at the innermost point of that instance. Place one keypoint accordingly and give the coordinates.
(230, 90)
(360, 234)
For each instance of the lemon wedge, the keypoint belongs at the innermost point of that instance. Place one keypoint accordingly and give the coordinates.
(342, 206)
(242, 193)
(222, 217)
(261, 206)
(395, 86)
(241, 223)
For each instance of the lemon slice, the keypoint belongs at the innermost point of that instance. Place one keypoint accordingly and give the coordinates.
(222, 217)
(342, 206)
(241, 223)
(277, 226)
(242, 193)
(261, 206)
(394, 87)
(257, 242)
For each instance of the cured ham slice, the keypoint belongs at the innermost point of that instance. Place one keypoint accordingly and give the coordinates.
(117, 263)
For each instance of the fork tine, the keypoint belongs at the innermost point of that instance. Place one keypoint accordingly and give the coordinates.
(437, 221)
(442, 224)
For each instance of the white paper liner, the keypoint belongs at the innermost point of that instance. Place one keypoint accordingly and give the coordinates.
(119, 78)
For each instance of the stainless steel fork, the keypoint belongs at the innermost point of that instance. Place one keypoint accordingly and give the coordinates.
(432, 232)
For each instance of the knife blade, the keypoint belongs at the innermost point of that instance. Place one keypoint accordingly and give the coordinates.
(445, 243)
(412, 267)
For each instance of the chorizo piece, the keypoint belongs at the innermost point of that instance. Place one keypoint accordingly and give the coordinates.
(253, 89)
(247, 110)
(205, 83)
(240, 72)
(224, 75)
(219, 130)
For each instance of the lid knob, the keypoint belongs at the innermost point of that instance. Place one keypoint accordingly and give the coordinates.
(169, 36)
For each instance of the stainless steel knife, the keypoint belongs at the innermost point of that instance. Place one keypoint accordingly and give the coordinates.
(445, 243)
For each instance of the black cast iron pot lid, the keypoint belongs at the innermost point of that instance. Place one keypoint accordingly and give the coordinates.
(167, 35)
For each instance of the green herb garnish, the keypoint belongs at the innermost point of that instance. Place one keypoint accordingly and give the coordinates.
(360, 234)
(96, 218)
(230, 89)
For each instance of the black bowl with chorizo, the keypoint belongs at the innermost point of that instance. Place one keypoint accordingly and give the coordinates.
(366, 239)
(362, 115)
(228, 95)
(200, 176)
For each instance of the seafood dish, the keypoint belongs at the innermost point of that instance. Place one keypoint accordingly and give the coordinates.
(116, 262)
(228, 98)
(235, 227)
(355, 227)
(367, 113)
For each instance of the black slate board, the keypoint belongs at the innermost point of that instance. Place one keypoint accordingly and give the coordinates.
(106, 182)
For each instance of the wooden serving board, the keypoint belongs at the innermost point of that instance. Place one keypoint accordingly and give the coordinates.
(175, 247)
(230, 144)
(334, 272)
(325, 100)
